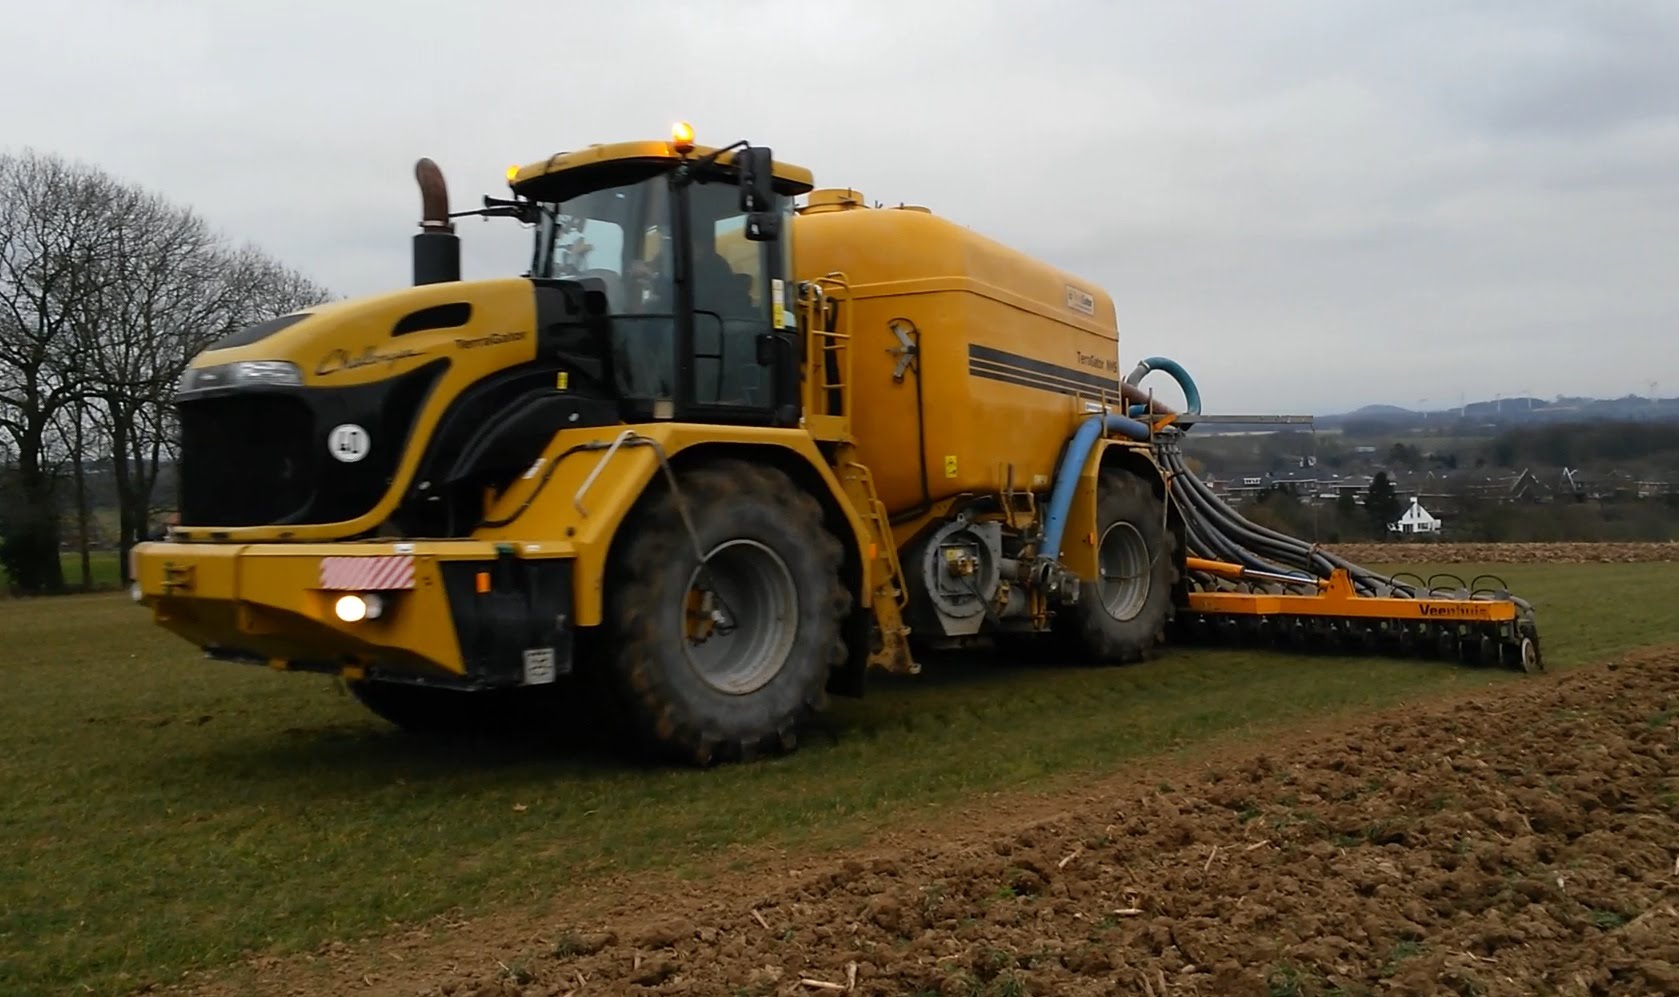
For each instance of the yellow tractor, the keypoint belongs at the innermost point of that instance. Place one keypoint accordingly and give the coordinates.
(714, 457)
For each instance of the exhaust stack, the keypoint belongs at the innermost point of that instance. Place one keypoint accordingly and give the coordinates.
(437, 249)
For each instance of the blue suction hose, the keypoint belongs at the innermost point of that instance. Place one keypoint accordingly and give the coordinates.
(1078, 450)
(1072, 465)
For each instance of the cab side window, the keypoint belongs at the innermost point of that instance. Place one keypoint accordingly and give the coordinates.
(731, 300)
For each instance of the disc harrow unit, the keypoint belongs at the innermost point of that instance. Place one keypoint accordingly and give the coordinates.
(1249, 585)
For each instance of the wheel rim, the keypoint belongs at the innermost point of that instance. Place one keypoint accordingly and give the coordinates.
(1123, 564)
(740, 617)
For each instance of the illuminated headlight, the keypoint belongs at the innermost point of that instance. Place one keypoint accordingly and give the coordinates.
(244, 372)
(356, 608)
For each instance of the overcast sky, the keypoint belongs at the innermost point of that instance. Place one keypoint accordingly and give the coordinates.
(1414, 199)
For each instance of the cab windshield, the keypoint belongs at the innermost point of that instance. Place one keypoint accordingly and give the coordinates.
(619, 235)
(624, 237)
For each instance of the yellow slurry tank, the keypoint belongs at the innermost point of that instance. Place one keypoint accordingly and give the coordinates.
(981, 358)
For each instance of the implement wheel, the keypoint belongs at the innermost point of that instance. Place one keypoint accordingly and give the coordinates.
(723, 659)
(1122, 614)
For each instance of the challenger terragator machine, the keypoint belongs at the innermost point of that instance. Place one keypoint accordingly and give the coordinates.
(731, 443)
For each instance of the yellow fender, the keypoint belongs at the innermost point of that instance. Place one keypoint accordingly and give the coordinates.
(573, 499)
(1078, 547)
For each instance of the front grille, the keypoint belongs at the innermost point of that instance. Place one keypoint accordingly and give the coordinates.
(246, 459)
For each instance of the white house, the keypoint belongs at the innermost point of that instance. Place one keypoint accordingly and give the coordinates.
(1416, 520)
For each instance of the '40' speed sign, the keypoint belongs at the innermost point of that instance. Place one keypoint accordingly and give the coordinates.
(349, 443)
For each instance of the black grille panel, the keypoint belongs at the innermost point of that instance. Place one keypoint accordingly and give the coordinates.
(254, 457)
(246, 459)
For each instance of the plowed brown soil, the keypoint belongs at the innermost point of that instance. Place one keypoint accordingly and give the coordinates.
(1516, 841)
(1506, 553)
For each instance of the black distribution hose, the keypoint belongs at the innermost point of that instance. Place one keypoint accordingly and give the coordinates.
(1221, 519)
(1216, 541)
(1236, 533)
(1215, 531)
(1296, 553)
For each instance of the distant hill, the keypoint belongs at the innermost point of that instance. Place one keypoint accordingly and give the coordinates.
(1505, 413)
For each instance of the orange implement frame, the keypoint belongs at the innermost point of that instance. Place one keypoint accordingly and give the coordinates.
(1336, 597)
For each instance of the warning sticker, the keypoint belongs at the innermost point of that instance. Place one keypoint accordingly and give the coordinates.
(782, 312)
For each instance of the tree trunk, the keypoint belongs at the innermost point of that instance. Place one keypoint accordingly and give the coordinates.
(37, 567)
(128, 531)
(78, 465)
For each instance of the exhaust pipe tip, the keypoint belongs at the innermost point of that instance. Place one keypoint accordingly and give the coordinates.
(434, 197)
(437, 250)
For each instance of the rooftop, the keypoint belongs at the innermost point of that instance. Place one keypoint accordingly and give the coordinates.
(586, 165)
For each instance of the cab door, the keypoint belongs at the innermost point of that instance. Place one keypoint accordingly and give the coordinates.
(740, 361)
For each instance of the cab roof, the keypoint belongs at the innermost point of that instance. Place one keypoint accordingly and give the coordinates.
(550, 179)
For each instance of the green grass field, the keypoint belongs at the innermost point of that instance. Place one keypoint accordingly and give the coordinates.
(161, 812)
(102, 565)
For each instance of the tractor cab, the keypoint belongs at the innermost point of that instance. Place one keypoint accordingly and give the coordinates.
(688, 253)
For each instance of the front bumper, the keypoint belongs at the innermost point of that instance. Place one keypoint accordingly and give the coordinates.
(459, 613)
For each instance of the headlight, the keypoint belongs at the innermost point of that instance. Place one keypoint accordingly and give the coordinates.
(244, 372)
(355, 608)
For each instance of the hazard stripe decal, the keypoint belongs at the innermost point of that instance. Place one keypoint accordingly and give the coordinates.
(1026, 372)
(367, 574)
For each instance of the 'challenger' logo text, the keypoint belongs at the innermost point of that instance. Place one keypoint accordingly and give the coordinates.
(342, 360)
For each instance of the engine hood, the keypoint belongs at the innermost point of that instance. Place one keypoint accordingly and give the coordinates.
(313, 424)
(478, 324)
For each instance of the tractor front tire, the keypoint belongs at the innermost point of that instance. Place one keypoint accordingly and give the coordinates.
(722, 660)
(1121, 616)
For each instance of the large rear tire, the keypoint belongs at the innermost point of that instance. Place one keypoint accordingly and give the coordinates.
(724, 660)
(1121, 616)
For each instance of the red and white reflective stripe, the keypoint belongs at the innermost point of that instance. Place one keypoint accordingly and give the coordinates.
(367, 574)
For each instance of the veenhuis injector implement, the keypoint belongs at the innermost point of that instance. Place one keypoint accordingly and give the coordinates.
(715, 457)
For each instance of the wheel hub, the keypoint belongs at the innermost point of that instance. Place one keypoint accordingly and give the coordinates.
(1122, 564)
(740, 617)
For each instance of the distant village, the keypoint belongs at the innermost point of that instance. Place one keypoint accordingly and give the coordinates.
(1430, 497)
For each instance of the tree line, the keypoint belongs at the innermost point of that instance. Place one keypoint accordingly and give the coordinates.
(107, 292)
(1593, 444)
(1643, 449)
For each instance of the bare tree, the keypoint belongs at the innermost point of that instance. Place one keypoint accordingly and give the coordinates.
(176, 289)
(49, 227)
(107, 292)
(80, 435)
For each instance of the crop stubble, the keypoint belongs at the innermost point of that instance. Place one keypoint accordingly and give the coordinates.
(1513, 841)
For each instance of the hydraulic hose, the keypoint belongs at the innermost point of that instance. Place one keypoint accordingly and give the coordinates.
(1238, 542)
(1201, 511)
(1228, 535)
(1191, 394)
(1072, 465)
(1212, 528)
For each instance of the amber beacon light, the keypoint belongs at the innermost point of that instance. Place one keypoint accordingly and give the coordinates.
(682, 137)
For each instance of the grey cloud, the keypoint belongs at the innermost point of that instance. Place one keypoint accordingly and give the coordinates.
(1313, 205)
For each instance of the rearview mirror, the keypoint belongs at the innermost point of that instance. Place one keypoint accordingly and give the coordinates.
(757, 181)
